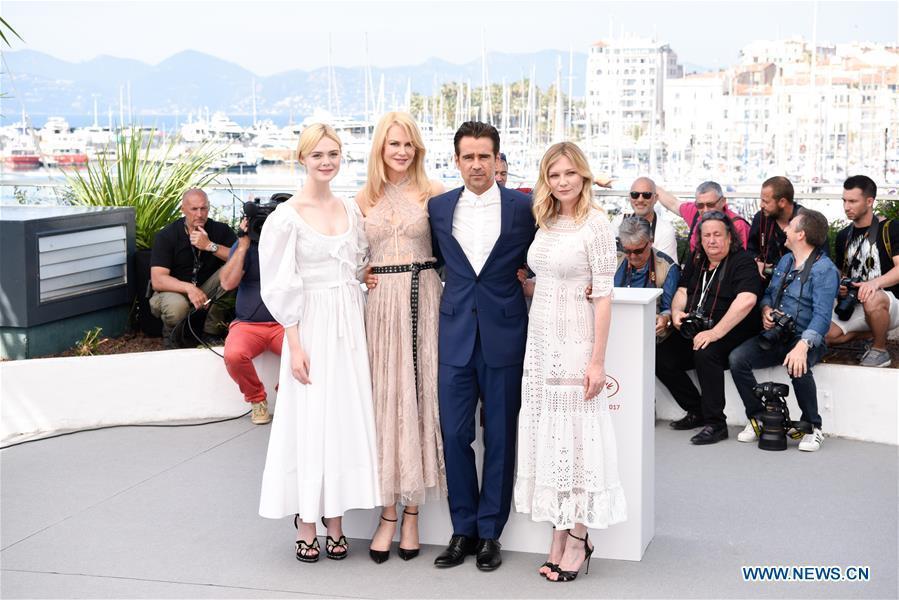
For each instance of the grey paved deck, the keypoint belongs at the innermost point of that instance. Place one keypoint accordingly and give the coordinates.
(171, 513)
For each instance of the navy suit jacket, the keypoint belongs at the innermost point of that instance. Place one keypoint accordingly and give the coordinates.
(492, 302)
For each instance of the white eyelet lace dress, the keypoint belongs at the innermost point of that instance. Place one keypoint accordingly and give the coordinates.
(567, 467)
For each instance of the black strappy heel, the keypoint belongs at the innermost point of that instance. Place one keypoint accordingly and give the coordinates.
(404, 553)
(551, 565)
(380, 556)
(331, 544)
(303, 548)
(588, 552)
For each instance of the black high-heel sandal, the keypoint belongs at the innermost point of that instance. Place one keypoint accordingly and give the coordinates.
(551, 565)
(303, 548)
(588, 552)
(331, 544)
(380, 556)
(404, 553)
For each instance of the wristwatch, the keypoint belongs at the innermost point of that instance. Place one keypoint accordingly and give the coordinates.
(808, 344)
(213, 247)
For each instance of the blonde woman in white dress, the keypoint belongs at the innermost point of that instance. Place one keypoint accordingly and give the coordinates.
(567, 472)
(322, 452)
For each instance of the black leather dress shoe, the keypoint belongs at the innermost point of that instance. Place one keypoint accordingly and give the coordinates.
(690, 421)
(710, 434)
(459, 547)
(489, 557)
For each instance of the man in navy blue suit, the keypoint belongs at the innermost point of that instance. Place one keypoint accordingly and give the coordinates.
(481, 233)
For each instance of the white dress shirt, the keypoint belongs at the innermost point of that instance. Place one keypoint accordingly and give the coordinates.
(476, 224)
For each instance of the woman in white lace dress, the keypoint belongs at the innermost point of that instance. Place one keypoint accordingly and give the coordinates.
(322, 451)
(567, 471)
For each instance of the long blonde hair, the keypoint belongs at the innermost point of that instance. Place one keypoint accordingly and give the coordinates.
(312, 135)
(546, 207)
(377, 170)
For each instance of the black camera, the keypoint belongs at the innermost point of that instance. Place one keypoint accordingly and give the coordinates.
(695, 323)
(776, 424)
(783, 330)
(256, 213)
(846, 305)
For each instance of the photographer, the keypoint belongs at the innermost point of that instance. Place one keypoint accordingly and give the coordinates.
(867, 252)
(641, 265)
(253, 330)
(708, 197)
(184, 267)
(795, 317)
(643, 199)
(767, 234)
(714, 310)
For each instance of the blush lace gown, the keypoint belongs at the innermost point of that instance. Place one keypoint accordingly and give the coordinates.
(407, 420)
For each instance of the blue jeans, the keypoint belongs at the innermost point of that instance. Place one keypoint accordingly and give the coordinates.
(748, 356)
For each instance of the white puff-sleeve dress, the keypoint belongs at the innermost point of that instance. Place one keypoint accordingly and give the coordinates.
(322, 452)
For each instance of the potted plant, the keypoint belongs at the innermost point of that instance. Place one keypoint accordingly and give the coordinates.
(151, 181)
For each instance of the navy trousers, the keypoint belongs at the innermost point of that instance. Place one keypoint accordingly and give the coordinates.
(479, 514)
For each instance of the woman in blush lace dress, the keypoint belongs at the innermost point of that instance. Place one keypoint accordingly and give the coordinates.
(322, 451)
(567, 471)
(401, 323)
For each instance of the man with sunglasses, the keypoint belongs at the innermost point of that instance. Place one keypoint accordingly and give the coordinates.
(642, 265)
(708, 197)
(643, 198)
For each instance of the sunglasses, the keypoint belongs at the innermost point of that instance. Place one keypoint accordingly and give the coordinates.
(646, 195)
(637, 251)
(707, 205)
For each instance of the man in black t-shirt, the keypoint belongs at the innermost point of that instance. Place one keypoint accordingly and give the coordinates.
(867, 249)
(184, 265)
(254, 330)
(766, 234)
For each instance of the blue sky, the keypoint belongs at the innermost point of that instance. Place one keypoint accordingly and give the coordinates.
(270, 37)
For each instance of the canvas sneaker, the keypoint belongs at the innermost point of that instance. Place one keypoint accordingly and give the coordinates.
(875, 358)
(260, 413)
(749, 433)
(811, 442)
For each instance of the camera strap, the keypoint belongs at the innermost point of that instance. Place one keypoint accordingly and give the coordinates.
(803, 276)
(706, 285)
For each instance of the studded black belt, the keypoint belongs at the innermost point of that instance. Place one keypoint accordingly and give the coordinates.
(415, 269)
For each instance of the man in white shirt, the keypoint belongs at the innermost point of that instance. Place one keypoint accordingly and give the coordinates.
(643, 199)
(481, 233)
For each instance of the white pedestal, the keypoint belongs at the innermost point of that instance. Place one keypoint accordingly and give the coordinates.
(630, 361)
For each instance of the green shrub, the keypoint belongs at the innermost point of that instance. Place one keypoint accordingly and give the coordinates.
(152, 186)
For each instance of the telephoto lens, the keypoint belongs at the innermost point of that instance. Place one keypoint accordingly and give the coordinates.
(776, 418)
